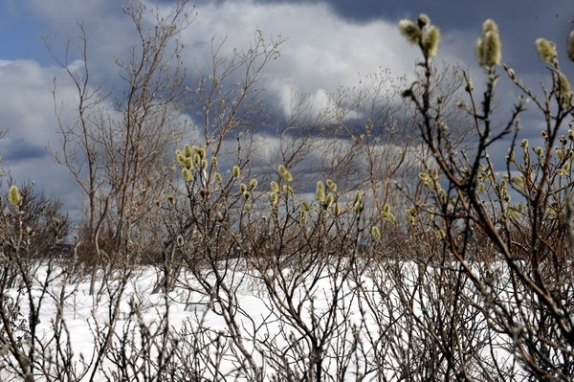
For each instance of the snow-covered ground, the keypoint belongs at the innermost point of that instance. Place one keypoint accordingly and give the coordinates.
(328, 322)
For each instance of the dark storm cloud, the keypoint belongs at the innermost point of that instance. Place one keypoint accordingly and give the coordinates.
(20, 149)
(520, 21)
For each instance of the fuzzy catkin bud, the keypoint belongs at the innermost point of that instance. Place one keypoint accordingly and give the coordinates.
(386, 212)
(336, 209)
(524, 143)
(287, 176)
(14, 196)
(376, 232)
(423, 20)
(180, 159)
(274, 198)
(186, 174)
(431, 42)
(412, 213)
(411, 31)
(489, 47)
(303, 217)
(187, 151)
(546, 49)
(469, 86)
(357, 197)
(358, 207)
(320, 192)
(236, 171)
(328, 202)
(386, 208)
(274, 186)
(332, 185)
(564, 93)
(571, 46)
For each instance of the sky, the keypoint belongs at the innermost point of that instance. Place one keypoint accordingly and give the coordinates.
(328, 44)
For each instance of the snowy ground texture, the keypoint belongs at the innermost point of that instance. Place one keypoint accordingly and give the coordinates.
(330, 321)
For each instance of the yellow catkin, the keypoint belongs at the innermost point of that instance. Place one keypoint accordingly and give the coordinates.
(357, 197)
(336, 209)
(546, 49)
(488, 46)
(287, 176)
(431, 42)
(564, 93)
(571, 46)
(186, 174)
(187, 151)
(332, 185)
(376, 232)
(274, 198)
(320, 192)
(236, 171)
(328, 202)
(14, 196)
(411, 31)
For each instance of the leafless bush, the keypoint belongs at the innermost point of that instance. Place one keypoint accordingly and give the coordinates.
(521, 211)
(357, 251)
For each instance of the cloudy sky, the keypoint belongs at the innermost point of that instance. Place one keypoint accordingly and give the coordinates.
(329, 44)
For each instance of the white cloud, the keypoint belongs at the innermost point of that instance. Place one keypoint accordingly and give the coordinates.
(27, 105)
(322, 53)
(27, 110)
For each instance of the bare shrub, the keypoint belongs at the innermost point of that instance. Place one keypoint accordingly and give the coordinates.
(520, 210)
